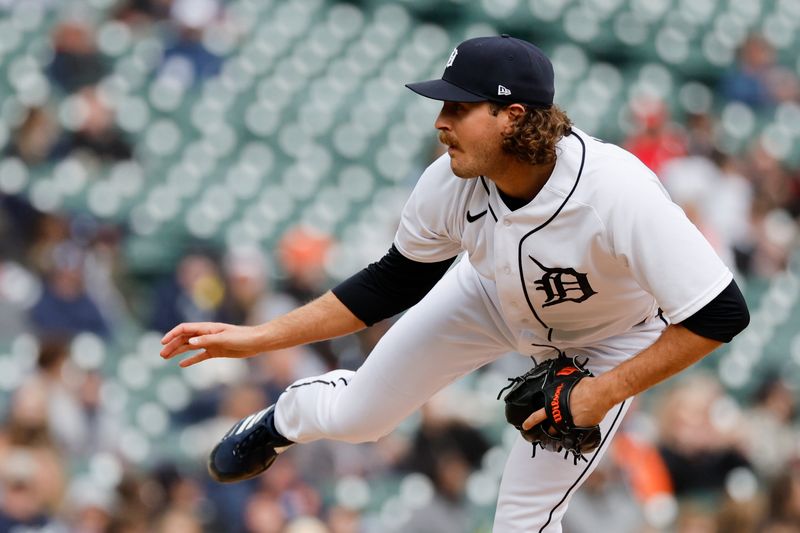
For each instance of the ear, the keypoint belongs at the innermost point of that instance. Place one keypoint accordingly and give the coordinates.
(512, 114)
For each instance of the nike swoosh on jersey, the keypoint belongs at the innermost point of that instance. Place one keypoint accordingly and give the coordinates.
(473, 218)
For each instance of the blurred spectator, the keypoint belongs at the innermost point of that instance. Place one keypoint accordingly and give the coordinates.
(447, 512)
(306, 524)
(439, 433)
(264, 514)
(55, 245)
(641, 468)
(19, 290)
(97, 135)
(26, 421)
(191, 18)
(30, 466)
(194, 294)
(89, 508)
(51, 230)
(249, 298)
(23, 506)
(717, 198)
(173, 521)
(19, 222)
(784, 501)
(64, 307)
(302, 252)
(696, 516)
(740, 515)
(104, 268)
(656, 139)
(36, 140)
(75, 419)
(773, 241)
(774, 186)
(769, 426)
(180, 493)
(344, 520)
(698, 444)
(76, 62)
(295, 496)
(143, 11)
(756, 80)
(137, 502)
(604, 504)
(447, 451)
(700, 134)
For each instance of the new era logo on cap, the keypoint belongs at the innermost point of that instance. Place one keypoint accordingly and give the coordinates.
(485, 65)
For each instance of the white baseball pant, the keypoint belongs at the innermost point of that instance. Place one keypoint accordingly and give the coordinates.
(454, 330)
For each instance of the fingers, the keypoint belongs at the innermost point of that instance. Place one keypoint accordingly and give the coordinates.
(174, 347)
(191, 329)
(213, 338)
(188, 336)
(196, 358)
(177, 347)
(183, 344)
(536, 418)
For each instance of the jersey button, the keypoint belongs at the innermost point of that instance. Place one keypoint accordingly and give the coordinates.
(506, 222)
(507, 270)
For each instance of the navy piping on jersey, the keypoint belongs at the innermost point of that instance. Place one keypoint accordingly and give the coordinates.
(586, 469)
(545, 223)
(661, 316)
(488, 204)
(320, 381)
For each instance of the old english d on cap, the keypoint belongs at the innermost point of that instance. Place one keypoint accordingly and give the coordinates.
(501, 69)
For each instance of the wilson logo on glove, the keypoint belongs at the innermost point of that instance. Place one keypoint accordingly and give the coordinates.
(548, 386)
(554, 402)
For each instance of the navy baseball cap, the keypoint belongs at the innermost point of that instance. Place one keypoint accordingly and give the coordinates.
(500, 69)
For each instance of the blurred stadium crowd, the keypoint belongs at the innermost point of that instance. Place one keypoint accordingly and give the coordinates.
(97, 434)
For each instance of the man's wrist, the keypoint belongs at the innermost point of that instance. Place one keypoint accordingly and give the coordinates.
(263, 337)
(606, 391)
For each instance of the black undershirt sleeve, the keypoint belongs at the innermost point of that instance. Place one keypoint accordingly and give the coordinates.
(722, 318)
(390, 286)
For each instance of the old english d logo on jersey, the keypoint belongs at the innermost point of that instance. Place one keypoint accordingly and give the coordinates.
(563, 285)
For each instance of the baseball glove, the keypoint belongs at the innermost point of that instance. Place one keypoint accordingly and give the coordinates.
(549, 385)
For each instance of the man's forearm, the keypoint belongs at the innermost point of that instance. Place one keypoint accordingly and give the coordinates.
(675, 350)
(321, 319)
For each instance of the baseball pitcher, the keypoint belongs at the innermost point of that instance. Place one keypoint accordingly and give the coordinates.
(573, 255)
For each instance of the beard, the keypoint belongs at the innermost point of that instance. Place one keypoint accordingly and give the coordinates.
(478, 162)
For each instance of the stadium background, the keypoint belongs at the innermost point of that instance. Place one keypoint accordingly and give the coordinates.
(170, 160)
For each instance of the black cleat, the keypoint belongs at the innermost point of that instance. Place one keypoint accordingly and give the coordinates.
(249, 448)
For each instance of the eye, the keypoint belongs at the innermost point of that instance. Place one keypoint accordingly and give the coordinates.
(453, 107)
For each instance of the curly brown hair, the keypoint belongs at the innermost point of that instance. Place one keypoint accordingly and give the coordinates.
(536, 133)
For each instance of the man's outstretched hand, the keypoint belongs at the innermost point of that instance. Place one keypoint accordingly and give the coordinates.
(214, 339)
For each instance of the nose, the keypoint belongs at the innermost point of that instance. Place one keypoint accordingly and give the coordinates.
(442, 121)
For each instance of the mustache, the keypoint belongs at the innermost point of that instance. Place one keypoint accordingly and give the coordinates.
(446, 139)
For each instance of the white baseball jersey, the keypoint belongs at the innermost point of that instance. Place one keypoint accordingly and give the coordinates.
(596, 252)
(585, 265)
